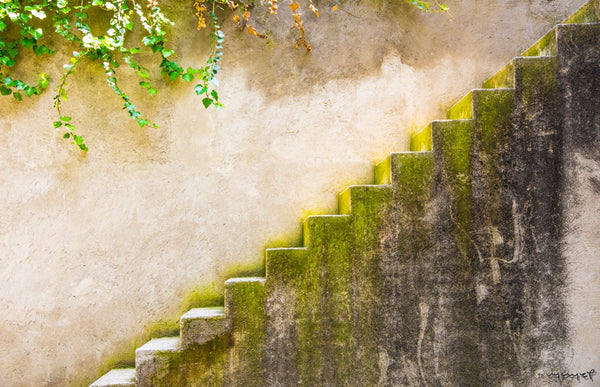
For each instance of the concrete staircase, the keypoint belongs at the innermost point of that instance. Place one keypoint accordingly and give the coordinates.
(449, 270)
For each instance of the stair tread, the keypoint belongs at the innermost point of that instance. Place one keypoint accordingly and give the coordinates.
(116, 377)
(245, 279)
(285, 248)
(163, 344)
(213, 312)
(326, 216)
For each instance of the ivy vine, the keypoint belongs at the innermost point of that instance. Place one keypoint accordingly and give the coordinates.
(24, 27)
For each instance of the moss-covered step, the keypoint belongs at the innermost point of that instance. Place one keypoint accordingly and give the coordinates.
(546, 45)
(152, 361)
(286, 270)
(462, 110)
(200, 325)
(504, 78)
(324, 325)
(245, 310)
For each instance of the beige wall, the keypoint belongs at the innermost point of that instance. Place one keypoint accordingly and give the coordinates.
(95, 247)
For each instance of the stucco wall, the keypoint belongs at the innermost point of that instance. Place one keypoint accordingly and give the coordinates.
(94, 247)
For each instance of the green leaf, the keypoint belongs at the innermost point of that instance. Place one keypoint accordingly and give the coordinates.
(57, 124)
(67, 135)
(207, 102)
(18, 96)
(43, 81)
(5, 90)
(187, 77)
(38, 33)
(70, 127)
(7, 61)
(142, 122)
(31, 91)
(65, 118)
(28, 43)
(214, 95)
(199, 89)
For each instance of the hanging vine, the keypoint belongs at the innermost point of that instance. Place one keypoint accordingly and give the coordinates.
(21, 29)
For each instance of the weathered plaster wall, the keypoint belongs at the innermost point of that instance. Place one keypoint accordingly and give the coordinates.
(94, 247)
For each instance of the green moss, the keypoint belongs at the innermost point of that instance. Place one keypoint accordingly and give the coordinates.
(452, 142)
(413, 187)
(285, 263)
(202, 296)
(421, 141)
(288, 240)
(413, 172)
(545, 46)
(245, 308)
(536, 77)
(383, 171)
(324, 322)
(345, 202)
(504, 78)
(200, 365)
(370, 207)
(462, 110)
(492, 119)
(588, 13)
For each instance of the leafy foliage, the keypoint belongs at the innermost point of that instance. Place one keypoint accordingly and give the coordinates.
(23, 23)
(72, 23)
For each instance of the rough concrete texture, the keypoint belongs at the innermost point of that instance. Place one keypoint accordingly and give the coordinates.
(578, 83)
(96, 247)
(462, 268)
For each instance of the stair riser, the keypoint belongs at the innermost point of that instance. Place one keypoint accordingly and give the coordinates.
(324, 321)
(286, 272)
(198, 332)
(245, 310)
(447, 300)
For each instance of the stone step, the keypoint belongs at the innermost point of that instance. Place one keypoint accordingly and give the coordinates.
(390, 170)
(285, 263)
(200, 325)
(152, 360)
(287, 270)
(325, 318)
(467, 108)
(356, 199)
(119, 377)
(412, 189)
(245, 309)
(317, 228)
